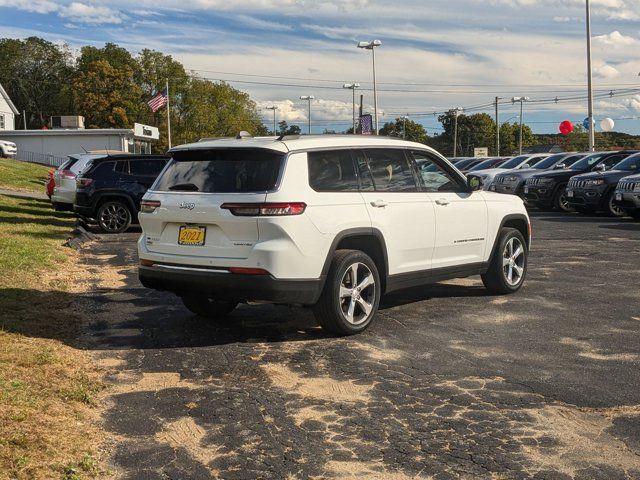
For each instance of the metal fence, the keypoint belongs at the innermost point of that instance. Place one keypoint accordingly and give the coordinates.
(41, 158)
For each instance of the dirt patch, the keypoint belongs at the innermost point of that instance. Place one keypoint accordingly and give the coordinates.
(374, 352)
(495, 318)
(369, 470)
(127, 382)
(582, 441)
(186, 433)
(499, 301)
(588, 351)
(321, 388)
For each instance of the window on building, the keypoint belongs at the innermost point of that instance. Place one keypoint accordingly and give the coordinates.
(2, 124)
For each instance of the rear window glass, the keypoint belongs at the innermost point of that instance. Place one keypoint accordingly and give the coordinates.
(66, 165)
(221, 171)
(332, 171)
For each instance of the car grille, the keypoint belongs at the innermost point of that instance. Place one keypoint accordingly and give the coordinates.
(577, 184)
(536, 181)
(628, 185)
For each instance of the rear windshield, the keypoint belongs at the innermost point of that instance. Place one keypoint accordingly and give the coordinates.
(221, 171)
(66, 165)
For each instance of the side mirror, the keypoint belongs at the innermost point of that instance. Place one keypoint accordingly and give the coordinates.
(560, 166)
(474, 183)
(600, 168)
(526, 165)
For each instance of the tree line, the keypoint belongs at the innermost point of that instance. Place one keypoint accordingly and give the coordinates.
(110, 87)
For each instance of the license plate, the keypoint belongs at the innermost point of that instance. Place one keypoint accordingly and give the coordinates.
(570, 194)
(526, 189)
(618, 197)
(637, 188)
(193, 236)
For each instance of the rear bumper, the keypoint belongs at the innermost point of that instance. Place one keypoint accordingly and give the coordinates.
(221, 284)
(83, 211)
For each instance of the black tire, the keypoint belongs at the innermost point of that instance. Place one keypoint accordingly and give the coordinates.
(333, 310)
(496, 278)
(114, 217)
(610, 207)
(207, 307)
(560, 200)
(635, 214)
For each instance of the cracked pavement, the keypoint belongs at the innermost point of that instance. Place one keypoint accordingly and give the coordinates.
(449, 382)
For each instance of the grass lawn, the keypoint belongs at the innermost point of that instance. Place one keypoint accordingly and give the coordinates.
(23, 176)
(47, 386)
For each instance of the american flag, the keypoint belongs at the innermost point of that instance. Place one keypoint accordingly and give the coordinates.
(159, 101)
(366, 124)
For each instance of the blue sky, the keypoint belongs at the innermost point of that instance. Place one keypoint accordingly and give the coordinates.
(436, 55)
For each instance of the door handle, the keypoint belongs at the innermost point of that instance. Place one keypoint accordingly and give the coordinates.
(442, 201)
(379, 203)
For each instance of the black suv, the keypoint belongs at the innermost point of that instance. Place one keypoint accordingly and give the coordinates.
(547, 189)
(627, 195)
(109, 189)
(595, 191)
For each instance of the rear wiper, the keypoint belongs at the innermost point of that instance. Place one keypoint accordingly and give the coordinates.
(185, 187)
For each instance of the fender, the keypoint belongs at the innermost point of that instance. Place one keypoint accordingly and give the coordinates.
(505, 219)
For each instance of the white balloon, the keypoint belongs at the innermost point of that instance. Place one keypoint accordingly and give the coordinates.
(607, 124)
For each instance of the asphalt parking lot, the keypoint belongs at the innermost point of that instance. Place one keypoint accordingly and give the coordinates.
(448, 383)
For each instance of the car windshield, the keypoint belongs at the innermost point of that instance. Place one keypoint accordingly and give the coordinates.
(221, 171)
(514, 162)
(587, 162)
(549, 161)
(629, 164)
(489, 163)
(461, 164)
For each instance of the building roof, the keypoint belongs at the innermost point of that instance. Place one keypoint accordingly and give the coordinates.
(301, 142)
(4, 94)
(70, 131)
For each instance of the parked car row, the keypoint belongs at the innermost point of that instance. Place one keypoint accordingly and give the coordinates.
(104, 189)
(585, 182)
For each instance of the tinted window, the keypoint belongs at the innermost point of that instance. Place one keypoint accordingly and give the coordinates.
(532, 162)
(122, 166)
(103, 168)
(67, 165)
(390, 170)
(434, 177)
(549, 161)
(514, 162)
(222, 171)
(587, 162)
(629, 164)
(366, 182)
(332, 171)
(572, 159)
(146, 168)
(609, 162)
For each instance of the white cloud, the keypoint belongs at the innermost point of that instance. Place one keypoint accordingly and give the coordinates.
(77, 12)
(36, 6)
(606, 72)
(615, 39)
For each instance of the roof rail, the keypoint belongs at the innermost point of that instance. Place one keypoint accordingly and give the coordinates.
(243, 134)
(288, 137)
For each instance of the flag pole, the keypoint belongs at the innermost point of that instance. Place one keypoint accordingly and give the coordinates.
(168, 116)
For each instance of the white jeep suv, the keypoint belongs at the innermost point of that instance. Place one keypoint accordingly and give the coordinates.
(333, 222)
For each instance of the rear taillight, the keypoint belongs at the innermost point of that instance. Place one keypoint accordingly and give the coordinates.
(149, 206)
(67, 174)
(83, 182)
(530, 228)
(265, 209)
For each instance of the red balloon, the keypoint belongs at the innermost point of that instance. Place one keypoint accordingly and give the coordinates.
(566, 127)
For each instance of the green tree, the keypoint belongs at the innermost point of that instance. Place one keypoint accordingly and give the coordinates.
(477, 130)
(286, 129)
(510, 138)
(405, 128)
(105, 95)
(36, 74)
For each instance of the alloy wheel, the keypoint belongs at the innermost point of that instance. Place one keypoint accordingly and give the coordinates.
(513, 260)
(615, 209)
(357, 293)
(114, 217)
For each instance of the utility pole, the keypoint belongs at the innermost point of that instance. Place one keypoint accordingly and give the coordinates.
(521, 100)
(353, 87)
(308, 98)
(24, 119)
(497, 129)
(592, 137)
(456, 112)
(274, 108)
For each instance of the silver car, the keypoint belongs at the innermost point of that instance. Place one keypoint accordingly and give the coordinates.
(64, 191)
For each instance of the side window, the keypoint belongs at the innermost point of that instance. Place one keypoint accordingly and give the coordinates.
(391, 170)
(146, 168)
(332, 171)
(366, 182)
(104, 168)
(612, 160)
(434, 177)
(122, 166)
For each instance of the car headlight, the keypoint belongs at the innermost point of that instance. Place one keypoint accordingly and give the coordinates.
(594, 183)
(512, 179)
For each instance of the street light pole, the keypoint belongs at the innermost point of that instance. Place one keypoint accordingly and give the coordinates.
(521, 100)
(456, 112)
(308, 98)
(497, 128)
(592, 136)
(274, 108)
(353, 87)
(404, 127)
(371, 46)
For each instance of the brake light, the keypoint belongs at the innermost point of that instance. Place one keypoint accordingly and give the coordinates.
(530, 230)
(83, 182)
(265, 209)
(149, 206)
(67, 174)
(248, 271)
